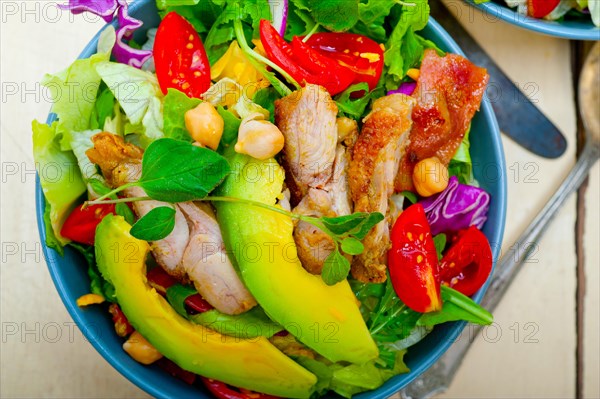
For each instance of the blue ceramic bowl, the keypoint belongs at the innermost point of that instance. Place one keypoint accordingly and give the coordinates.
(574, 29)
(71, 280)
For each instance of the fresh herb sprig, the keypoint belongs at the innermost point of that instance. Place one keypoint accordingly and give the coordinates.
(176, 171)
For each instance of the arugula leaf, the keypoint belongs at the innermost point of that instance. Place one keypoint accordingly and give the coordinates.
(176, 171)
(250, 324)
(356, 224)
(230, 128)
(328, 12)
(456, 307)
(98, 285)
(335, 268)
(410, 196)
(266, 98)
(155, 225)
(352, 246)
(175, 106)
(440, 243)
(355, 107)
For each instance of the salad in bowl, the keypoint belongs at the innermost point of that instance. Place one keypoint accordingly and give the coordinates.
(270, 199)
(570, 19)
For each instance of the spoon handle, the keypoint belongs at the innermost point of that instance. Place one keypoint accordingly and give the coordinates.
(438, 378)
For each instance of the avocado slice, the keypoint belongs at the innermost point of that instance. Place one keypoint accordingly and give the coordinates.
(252, 364)
(324, 318)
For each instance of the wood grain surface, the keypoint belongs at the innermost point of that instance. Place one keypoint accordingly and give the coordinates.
(530, 351)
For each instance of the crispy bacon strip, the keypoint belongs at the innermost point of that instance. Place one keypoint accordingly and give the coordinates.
(448, 93)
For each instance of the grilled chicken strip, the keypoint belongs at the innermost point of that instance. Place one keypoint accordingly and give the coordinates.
(371, 174)
(307, 119)
(194, 250)
(315, 167)
(207, 264)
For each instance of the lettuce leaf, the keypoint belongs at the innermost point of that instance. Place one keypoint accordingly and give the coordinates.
(222, 33)
(348, 380)
(140, 97)
(461, 165)
(401, 50)
(80, 143)
(174, 109)
(98, 285)
(74, 90)
(59, 174)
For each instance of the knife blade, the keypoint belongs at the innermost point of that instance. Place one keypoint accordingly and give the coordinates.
(518, 118)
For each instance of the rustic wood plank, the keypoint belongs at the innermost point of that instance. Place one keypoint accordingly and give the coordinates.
(537, 317)
(591, 303)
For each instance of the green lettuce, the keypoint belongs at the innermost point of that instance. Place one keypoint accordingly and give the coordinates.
(75, 89)
(174, 109)
(98, 285)
(140, 97)
(349, 380)
(402, 49)
(461, 165)
(59, 174)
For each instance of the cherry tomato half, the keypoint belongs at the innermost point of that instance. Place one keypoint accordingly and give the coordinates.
(160, 281)
(81, 224)
(413, 262)
(468, 263)
(358, 53)
(303, 63)
(180, 58)
(541, 8)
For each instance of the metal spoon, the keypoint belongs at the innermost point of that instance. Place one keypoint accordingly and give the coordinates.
(438, 378)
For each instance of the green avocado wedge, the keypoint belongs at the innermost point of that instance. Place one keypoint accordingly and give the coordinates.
(325, 318)
(251, 364)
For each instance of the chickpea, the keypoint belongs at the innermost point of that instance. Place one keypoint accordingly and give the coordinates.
(141, 350)
(430, 177)
(259, 138)
(205, 125)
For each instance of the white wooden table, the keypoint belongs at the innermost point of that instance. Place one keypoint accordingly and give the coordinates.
(43, 354)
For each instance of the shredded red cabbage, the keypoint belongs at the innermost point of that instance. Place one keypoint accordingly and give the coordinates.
(102, 8)
(122, 52)
(457, 207)
(407, 88)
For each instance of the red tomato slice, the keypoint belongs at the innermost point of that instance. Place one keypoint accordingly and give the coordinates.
(541, 8)
(356, 52)
(326, 71)
(280, 52)
(81, 224)
(468, 263)
(413, 261)
(179, 56)
(224, 391)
